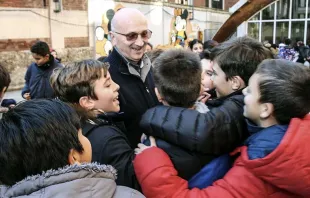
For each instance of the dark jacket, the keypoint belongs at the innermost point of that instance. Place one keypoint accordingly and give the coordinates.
(110, 146)
(38, 80)
(135, 96)
(193, 139)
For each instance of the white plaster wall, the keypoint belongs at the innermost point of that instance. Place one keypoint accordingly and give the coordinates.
(23, 23)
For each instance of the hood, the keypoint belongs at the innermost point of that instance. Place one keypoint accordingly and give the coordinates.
(288, 166)
(52, 180)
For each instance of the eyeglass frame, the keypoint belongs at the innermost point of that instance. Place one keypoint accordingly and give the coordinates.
(126, 35)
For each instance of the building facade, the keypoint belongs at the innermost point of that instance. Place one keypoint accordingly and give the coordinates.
(278, 21)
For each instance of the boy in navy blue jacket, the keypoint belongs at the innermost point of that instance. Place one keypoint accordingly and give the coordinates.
(39, 72)
(193, 139)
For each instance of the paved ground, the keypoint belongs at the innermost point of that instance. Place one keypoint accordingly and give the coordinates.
(16, 95)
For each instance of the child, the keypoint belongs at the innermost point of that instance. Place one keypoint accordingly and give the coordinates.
(43, 153)
(195, 46)
(5, 81)
(274, 160)
(219, 131)
(38, 73)
(88, 87)
(208, 90)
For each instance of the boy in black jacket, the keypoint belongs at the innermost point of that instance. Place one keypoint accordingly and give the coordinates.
(89, 88)
(38, 73)
(193, 139)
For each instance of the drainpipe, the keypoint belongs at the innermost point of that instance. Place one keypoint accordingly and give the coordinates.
(49, 20)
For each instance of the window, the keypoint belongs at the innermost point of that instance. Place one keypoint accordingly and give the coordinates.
(281, 31)
(253, 30)
(218, 4)
(298, 9)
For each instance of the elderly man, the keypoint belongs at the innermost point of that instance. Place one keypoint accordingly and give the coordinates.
(131, 69)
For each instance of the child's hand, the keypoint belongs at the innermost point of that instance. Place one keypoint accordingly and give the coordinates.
(204, 96)
(142, 147)
(27, 96)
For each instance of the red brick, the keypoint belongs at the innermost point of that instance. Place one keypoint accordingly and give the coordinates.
(74, 5)
(19, 44)
(23, 3)
(71, 42)
(230, 3)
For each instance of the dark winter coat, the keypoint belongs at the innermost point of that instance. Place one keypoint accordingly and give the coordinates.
(38, 80)
(111, 146)
(135, 96)
(192, 139)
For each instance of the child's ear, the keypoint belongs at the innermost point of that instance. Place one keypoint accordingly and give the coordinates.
(237, 83)
(266, 110)
(159, 98)
(74, 157)
(87, 103)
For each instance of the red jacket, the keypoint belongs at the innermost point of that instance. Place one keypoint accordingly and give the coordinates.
(284, 173)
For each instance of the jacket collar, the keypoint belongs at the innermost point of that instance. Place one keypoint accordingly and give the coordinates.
(128, 68)
(219, 101)
(52, 177)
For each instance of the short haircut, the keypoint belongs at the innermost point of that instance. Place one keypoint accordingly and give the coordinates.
(240, 57)
(5, 78)
(287, 41)
(41, 48)
(153, 54)
(177, 76)
(205, 54)
(209, 44)
(193, 42)
(76, 80)
(286, 85)
(36, 136)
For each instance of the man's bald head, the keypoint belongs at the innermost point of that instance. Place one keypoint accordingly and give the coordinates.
(127, 17)
(128, 21)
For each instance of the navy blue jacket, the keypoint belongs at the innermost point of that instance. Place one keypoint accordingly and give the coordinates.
(135, 96)
(38, 80)
(193, 139)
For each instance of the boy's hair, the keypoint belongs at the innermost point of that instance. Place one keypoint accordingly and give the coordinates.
(177, 76)
(205, 54)
(76, 80)
(5, 78)
(41, 48)
(193, 42)
(209, 44)
(286, 85)
(36, 136)
(287, 41)
(240, 57)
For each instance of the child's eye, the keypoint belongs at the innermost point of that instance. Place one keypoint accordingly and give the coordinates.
(209, 73)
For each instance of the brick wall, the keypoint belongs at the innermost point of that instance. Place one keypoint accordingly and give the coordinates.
(74, 4)
(199, 3)
(19, 44)
(23, 3)
(230, 3)
(76, 42)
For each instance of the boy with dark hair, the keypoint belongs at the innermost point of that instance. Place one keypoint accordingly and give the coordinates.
(38, 73)
(43, 153)
(177, 77)
(223, 128)
(273, 162)
(89, 88)
(287, 52)
(5, 81)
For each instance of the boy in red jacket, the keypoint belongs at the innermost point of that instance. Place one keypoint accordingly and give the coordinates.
(273, 162)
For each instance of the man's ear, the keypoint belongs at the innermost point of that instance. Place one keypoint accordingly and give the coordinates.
(159, 98)
(237, 83)
(266, 110)
(87, 103)
(74, 157)
(2, 92)
(113, 39)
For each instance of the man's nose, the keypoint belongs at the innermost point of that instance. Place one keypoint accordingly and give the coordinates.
(140, 41)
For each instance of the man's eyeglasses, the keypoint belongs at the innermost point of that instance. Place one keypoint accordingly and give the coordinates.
(132, 36)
